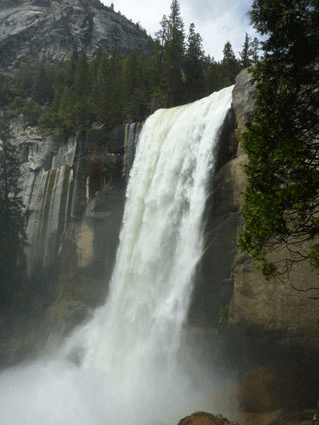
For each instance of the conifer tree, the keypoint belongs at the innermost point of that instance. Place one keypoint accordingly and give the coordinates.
(174, 51)
(281, 200)
(41, 86)
(81, 90)
(194, 59)
(231, 66)
(246, 53)
(255, 50)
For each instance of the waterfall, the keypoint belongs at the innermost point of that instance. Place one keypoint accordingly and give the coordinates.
(131, 135)
(128, 364)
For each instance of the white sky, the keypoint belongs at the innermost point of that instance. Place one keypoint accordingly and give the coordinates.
(217, 21)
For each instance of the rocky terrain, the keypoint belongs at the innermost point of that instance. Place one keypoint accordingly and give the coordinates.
(81, 231)
(55, 30)
(72, 258)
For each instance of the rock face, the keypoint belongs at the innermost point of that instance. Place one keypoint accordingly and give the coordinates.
(275, 305)
(74, 193)
(228, 285)
(260, 391)
(55, 30)
(213, 289)
(74, 196)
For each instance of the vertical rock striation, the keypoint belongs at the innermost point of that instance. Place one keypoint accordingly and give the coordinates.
(73, 191)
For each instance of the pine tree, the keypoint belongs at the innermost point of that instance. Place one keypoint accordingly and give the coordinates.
(255, 50)
(81, 90)
(214, 76)
(231, 66)
(161, 39)
(281, 200)
(194, 66)
(41, 86)
(246, 53)
(173, 57)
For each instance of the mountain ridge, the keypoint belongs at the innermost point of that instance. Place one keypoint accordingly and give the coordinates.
(56, 30)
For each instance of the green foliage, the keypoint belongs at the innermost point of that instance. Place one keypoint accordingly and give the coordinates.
(314, 255)
(31, 112)
(281, 200)
(5, 93)
(41, 91)
(250, 52)
(69, 96)
(14, 107)
(231, 66)
(194, 66)
(174, 49)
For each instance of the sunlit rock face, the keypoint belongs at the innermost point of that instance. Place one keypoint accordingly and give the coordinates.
(55, 30)
(228, 289)
(273, 306)
(73, 192)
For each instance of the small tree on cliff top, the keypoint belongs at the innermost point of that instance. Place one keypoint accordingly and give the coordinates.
(281, 207)
(172, 38)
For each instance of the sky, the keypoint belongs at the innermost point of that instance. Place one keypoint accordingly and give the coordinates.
(217, 21)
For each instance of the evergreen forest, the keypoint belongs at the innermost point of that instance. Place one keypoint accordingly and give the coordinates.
(111, 89)
(70, 97)
(281, 209)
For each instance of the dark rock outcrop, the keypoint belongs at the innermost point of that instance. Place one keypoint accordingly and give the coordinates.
(260, 391)
(214, 282)
(56, 30)
(205, 418)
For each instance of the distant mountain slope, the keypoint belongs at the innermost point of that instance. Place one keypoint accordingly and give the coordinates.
(49, 30)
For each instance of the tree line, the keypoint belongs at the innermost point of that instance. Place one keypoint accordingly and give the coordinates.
(281, 210)
(112, 89)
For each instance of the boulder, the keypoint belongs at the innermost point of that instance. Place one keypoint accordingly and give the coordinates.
(205, 418)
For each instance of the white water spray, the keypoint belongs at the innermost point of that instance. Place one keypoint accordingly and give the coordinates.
(128, 369)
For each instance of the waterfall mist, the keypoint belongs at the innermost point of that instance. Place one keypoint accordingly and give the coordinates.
(130, 363)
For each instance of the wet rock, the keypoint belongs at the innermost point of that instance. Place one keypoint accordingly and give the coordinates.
(204, 418)
(260, 391)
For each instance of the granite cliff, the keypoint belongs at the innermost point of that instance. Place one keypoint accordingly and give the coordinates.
(229, 288)
(286, 305)
(55, 30)
(74, 196)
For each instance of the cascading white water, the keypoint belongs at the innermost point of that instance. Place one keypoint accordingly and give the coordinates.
(128, 370)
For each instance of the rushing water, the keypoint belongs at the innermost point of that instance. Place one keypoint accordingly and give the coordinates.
(130, 363)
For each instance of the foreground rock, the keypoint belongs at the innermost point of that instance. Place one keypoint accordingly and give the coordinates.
(204, 418)
(261, 391)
